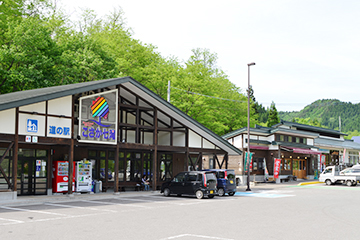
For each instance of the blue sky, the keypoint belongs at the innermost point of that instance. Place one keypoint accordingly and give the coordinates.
(304, 50)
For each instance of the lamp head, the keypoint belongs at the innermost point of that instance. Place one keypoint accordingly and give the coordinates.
(250, 64)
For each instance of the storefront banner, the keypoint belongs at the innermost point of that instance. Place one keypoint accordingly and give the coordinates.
(266, 172)
(277, 162)
(246, 158)
(344, 153)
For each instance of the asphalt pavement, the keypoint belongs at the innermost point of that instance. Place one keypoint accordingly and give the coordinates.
(40, 199)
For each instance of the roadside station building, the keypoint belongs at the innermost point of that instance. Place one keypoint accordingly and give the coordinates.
(303, 150)
(120, 126)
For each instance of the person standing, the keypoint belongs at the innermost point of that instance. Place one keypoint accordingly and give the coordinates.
(145, 183)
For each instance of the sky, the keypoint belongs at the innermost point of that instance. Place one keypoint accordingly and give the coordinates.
(304, 50)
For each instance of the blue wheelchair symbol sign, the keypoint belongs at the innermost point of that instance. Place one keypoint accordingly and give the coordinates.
(32, 125)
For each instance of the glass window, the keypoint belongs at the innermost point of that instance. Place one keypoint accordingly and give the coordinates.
(297, 140)
(179, 178)
(282, 139)
(289, 138)
(191, 177)
(287, 164)
(166, 171)
(255, 167)
(231, 174)
(221, 174)
(92, 154)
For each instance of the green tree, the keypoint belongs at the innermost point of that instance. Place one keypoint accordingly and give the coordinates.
(273, 115)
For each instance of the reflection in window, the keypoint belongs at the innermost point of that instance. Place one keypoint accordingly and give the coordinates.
(165, 167)
(180, 177)
(286, 164)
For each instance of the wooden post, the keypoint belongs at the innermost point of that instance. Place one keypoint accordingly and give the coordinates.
(16, 149)
(71, 150)
(116, 177)
(155, 157)
(187, 149)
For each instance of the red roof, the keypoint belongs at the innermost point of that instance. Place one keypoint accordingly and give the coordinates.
(301, 150)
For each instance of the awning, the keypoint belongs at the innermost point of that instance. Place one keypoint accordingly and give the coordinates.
(259, 147)
(299, 150)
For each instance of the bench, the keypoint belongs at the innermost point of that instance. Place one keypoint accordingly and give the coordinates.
(288, 178)
(124, 186)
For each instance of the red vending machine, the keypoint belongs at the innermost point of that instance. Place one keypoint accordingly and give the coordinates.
(60, 176)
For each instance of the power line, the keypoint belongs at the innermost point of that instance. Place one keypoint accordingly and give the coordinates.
(225, 99)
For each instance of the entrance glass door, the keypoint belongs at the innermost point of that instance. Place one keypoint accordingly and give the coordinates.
(32, 176)
(299, 168)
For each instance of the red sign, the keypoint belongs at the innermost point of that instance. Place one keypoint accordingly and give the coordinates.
(277, 162)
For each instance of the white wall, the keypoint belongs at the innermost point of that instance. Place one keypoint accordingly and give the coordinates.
(60, 106)
(207, 144)
(7, 120)
(164, 138)
(148, 138)
(36, 107)
(179, 139)
(238, 141)
(310, 141)
(194, 140)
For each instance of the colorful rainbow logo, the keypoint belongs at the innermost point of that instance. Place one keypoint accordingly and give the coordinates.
(100, 108)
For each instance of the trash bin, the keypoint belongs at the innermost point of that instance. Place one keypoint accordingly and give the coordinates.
(97, 187)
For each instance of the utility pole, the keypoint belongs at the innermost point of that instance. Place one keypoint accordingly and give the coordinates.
(339, 123)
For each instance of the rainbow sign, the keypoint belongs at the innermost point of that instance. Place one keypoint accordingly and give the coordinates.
(100, 108)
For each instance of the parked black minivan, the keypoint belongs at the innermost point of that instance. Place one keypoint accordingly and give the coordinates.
(226, 182)
(198, 183)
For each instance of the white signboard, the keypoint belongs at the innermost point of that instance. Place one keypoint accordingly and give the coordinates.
(98, 118)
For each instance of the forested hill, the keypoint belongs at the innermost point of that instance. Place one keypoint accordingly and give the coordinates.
(326, 112)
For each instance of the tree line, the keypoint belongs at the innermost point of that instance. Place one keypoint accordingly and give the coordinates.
(329, 113)
(41, 47)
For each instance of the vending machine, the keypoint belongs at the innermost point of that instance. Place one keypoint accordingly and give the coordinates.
(60, 176)
(83, 176)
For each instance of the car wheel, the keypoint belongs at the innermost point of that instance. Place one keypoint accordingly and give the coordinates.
(199, 194)
(231, 193)
(221, 192)
(328, 182)
(349, 183)
(166, 192)
(211, 196)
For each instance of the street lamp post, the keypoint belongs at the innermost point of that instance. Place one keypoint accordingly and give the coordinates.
(248, 130)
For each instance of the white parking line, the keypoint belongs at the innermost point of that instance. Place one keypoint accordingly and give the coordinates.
(86, 208)
(34, 211)
(10, 221)
(196, 236)
(111, 203)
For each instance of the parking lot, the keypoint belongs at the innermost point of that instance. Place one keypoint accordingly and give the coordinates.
(269, 211)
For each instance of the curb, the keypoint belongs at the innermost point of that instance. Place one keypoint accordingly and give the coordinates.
(308, 183)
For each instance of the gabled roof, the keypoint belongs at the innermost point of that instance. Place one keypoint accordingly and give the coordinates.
(308, 128)
(266, 131)
(17, 99)
(338, 144)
